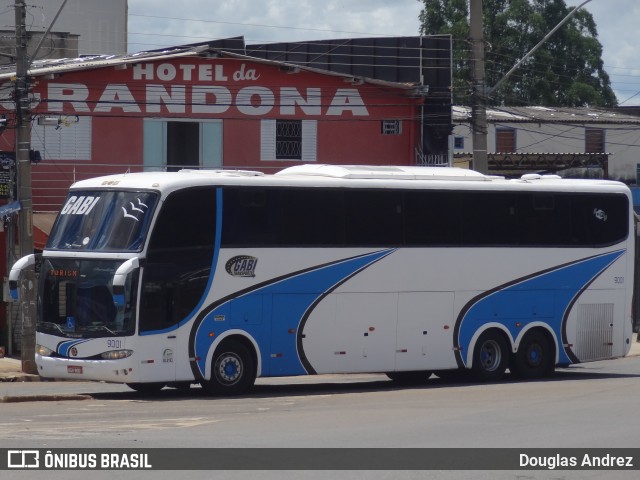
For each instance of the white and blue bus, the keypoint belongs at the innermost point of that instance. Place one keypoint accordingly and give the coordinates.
(219, 277)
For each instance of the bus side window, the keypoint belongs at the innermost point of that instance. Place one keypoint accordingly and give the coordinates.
(251, 217)
(373, 217)
(604, 218)
(432, 218)
(313, 217)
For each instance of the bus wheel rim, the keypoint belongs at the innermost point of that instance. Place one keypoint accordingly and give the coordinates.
(229, 368)
(534, 355)
(490, 355)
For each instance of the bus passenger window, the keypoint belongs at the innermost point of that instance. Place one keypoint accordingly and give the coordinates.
(251, 217)
(373, 217)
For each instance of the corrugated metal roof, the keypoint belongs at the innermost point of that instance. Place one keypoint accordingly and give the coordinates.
(58, 66)
(61, 65)
(536, 114)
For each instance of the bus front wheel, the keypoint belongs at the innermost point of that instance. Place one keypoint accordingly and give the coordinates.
(232, 370)
(490, 356)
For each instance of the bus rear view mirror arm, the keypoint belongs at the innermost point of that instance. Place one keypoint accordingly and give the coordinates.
(16, 270)
(119, 279)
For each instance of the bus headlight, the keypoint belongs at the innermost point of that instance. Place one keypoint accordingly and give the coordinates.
(43, 351)
(116, 354)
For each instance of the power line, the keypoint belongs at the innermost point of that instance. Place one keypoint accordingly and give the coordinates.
(244, 24)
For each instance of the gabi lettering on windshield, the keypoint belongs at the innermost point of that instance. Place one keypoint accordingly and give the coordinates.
(79, 205)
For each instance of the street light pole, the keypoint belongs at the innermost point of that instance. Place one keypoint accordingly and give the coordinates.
(539, 44)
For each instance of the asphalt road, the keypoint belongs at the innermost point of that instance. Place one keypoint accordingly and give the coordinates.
(594, 405)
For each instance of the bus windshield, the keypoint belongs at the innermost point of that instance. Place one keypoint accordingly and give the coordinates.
(103, 221)
(76, 299)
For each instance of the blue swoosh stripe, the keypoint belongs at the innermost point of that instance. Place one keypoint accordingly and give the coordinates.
(307, 286)
(545, 297)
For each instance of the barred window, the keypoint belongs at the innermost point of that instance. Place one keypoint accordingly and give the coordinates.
(288, 139)
(391, 127)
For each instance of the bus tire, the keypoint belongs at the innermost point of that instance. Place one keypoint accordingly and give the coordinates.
(409, 378)
(146, 388)
(535, 357)
(233, 370)
(490, 356)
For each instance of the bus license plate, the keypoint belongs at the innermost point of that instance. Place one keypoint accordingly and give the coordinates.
(74, 369)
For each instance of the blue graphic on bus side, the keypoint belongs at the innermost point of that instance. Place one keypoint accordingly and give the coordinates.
(63, 348)
(299, 292)
(544, 297)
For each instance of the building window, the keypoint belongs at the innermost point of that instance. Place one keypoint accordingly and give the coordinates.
(391, 127)
(458, 143)
(593, 140)
(288, 140)
(68, 140)
(505, 139)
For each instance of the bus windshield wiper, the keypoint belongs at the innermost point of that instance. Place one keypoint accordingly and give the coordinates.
(55, 325)
(104, 327)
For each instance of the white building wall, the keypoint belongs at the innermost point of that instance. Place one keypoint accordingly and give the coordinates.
(101, 24)
(622, 142)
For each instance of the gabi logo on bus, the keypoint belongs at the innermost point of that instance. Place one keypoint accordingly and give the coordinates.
(242, 266)
(79, 205)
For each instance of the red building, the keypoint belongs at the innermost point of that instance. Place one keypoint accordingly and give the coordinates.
(228, 105)
(232, 112)
(209, 107)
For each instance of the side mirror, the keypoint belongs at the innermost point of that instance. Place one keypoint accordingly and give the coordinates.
(16, 270)
(119, 279)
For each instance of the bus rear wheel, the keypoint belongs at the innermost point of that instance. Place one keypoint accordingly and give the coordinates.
(233, 370)
(535, 357)
(490, 356)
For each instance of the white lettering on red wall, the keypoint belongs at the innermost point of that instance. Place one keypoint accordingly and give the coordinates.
(185, 89)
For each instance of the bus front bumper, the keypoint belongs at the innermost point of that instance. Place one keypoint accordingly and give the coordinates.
(117, 371)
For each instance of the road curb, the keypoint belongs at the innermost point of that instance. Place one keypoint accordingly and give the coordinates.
(44, 398)
(20, 378)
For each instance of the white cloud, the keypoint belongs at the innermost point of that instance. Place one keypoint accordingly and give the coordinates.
(267, 20)
(617, 23)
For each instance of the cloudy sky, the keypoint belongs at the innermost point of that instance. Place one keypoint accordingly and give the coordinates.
(159, 23)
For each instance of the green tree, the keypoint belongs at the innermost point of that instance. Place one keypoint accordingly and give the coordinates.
(567, 70)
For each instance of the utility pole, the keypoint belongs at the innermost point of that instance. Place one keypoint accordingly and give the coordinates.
(23, 133)
(23, 178)
(480, 90)
(478, 95)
